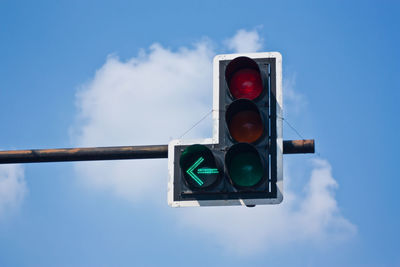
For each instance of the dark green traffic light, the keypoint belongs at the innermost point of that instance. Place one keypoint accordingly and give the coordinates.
(244, 165)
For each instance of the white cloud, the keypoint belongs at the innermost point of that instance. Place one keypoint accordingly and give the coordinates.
(146, 100)
(313, 217)
(294, 101)
(245, 42)
(12, 187)
(319, 214)
(160, 94)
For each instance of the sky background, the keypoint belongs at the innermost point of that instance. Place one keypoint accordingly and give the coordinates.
(97, 73)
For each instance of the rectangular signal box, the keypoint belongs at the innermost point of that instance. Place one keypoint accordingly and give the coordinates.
(242, 163)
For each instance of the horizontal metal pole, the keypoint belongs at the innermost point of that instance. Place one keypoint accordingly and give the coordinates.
(84, 154)
(299, 146)
(117, 152)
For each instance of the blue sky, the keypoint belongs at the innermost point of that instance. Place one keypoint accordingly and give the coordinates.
(90, 73)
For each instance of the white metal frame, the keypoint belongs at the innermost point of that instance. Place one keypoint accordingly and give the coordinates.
(214, 139)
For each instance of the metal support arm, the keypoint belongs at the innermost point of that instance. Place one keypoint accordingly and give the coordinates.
(118, 152)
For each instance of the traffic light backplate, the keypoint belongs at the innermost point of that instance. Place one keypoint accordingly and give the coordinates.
(242, 163)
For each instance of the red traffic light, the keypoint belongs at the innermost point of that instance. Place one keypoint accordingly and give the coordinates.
(243, 78)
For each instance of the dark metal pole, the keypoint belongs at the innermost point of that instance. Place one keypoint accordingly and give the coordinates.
(84, 154)
(299, 146)
(118, 152)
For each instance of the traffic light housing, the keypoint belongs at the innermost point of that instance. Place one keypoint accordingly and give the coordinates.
(242, 163)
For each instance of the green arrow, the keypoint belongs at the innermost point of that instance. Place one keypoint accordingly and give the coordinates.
(207, 171)
(191, 173)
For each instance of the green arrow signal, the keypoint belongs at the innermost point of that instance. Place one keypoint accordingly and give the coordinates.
(207, 171)
(204, 170)
(191, 173)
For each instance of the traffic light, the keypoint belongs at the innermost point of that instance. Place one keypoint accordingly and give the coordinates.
(242, 163)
